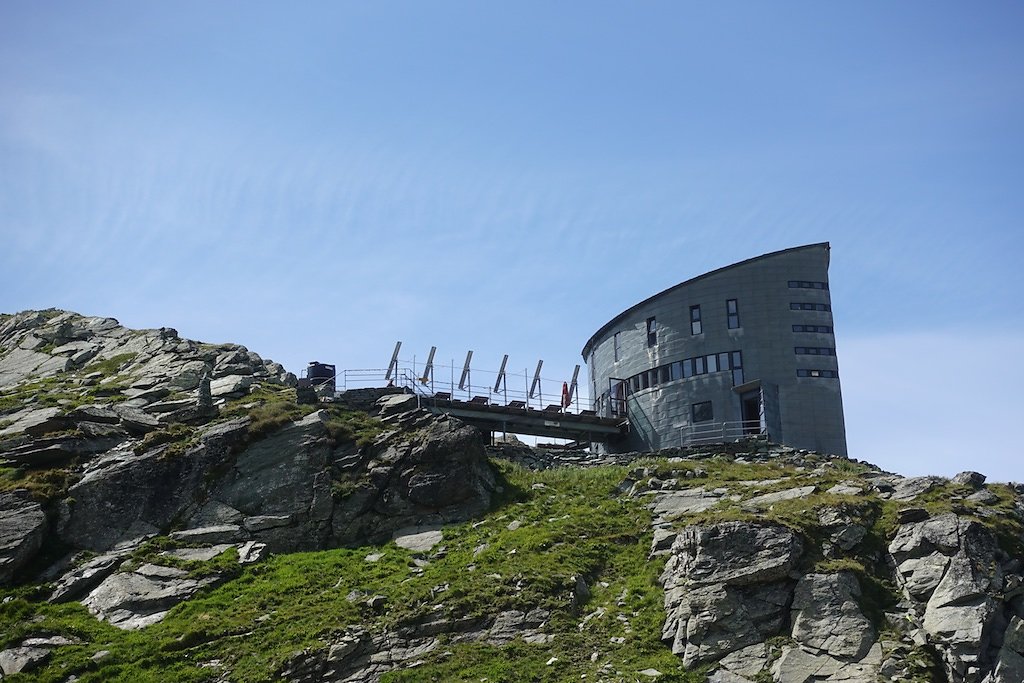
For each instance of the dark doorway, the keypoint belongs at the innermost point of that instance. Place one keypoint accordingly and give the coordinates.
(753, 416)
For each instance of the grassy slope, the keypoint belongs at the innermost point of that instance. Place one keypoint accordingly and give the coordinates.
(571, 522)
(572, 525)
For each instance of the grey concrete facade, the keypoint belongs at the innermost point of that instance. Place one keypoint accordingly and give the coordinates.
(748, 348)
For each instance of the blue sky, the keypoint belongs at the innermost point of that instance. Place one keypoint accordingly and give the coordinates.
(318, 181)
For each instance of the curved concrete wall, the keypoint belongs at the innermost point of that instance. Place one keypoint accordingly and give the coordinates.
(773, 347)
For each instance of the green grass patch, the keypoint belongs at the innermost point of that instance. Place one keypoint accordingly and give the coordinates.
(177, 434)
(109, 366)
(43, 484)
(269, 407)
(56, 391)
(345, 426)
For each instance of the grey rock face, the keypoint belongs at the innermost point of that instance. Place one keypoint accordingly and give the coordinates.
(358, 656)
(132, 600)
(22, 527)
(727, 586)
(827, 618)
(796, 665)
(22, 659)
(670, 504)
(974, 480)
(83, 579)
(912, 487)
(1010, 664)
(120, 492)
(396, 404)
(438, 475)
(35, 422)
(948, 568)
(768, 499)
(274, 485)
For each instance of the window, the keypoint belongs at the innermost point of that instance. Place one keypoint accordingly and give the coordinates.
(712, 362)
(814, 351)
(695, 327)
(652, 332)
(736, 364)
(676, 370)
(806, 284)
(616, 343)
(687, 368)
(732, 314)
(805, 372)
(807, 306)
(702, 412)
(723, 361)
(819, 329)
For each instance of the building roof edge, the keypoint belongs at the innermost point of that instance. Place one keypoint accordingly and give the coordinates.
(604, 328)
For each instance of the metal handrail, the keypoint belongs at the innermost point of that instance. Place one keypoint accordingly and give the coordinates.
(719, 432)
(407, 378)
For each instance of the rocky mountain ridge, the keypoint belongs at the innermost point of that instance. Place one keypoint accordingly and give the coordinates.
(169, 511)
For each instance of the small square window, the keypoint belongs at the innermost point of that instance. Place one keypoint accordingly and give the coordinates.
(702, 412)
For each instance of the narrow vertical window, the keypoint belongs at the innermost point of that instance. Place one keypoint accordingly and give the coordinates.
(695, 327)
(732, 313)
(616, 346)
(737, 368)
(676, 370)
(652, 332)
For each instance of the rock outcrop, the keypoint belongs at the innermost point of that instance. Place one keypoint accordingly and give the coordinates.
(745, 595)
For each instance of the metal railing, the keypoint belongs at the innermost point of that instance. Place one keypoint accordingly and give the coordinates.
(432, 387)
(720, 432)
